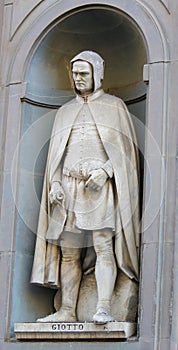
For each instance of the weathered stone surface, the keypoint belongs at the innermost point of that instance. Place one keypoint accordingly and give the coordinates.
(148, 291)
(20, 12)
(74, 330)
(124, 300)
(165, 3)
(5, 262)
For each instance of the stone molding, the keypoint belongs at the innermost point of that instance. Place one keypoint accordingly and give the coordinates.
(55, 106)
(20, 13)
(166, 5)
(68, 331)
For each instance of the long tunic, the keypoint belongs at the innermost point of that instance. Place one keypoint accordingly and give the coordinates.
(86, 209)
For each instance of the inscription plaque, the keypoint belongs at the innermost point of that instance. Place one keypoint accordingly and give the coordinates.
(67, 330)
(67, 327)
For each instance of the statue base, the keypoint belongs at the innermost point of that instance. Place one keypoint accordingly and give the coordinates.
(77, 330)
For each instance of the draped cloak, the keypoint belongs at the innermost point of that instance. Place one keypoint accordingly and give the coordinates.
(117, 134)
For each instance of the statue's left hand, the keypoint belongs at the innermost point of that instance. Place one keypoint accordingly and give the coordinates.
(97, 179)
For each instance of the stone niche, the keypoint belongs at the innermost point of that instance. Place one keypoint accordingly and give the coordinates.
(119, 41)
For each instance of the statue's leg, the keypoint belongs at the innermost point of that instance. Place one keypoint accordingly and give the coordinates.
(105, 272)
(70, 282)
(70, 276)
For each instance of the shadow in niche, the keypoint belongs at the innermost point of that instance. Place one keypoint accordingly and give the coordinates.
(119, 42)
(109, 33)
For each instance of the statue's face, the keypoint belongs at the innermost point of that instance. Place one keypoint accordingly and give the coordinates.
(83, 77)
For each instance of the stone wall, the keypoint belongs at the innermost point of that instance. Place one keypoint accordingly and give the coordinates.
(25, 27)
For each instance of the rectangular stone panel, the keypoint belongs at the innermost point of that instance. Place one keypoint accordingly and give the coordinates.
(86, 330)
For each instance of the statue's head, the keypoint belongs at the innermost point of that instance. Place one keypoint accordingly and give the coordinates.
(87, 72)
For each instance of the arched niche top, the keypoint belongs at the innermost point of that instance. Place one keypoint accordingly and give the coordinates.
(27, 40)
(107, 32)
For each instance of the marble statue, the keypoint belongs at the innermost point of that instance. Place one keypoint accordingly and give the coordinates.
(90, 185)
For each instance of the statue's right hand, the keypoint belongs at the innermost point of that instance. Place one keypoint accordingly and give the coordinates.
(56, 193)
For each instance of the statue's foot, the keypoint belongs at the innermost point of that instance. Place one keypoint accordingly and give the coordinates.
(63, 315)
(102, 316)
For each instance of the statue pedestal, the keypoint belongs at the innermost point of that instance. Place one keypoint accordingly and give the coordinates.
(78, 330)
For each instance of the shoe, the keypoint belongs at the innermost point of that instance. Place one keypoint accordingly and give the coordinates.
(102, 316)
(62, 315)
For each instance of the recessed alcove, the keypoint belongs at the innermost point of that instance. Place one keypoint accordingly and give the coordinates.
(107, 32)
(119, 41)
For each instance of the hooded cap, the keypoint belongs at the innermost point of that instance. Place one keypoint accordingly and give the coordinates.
(97, 63)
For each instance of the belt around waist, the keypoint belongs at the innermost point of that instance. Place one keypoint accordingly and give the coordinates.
(75, 174)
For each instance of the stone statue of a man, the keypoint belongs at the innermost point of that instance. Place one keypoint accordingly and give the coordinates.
(90, 185)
